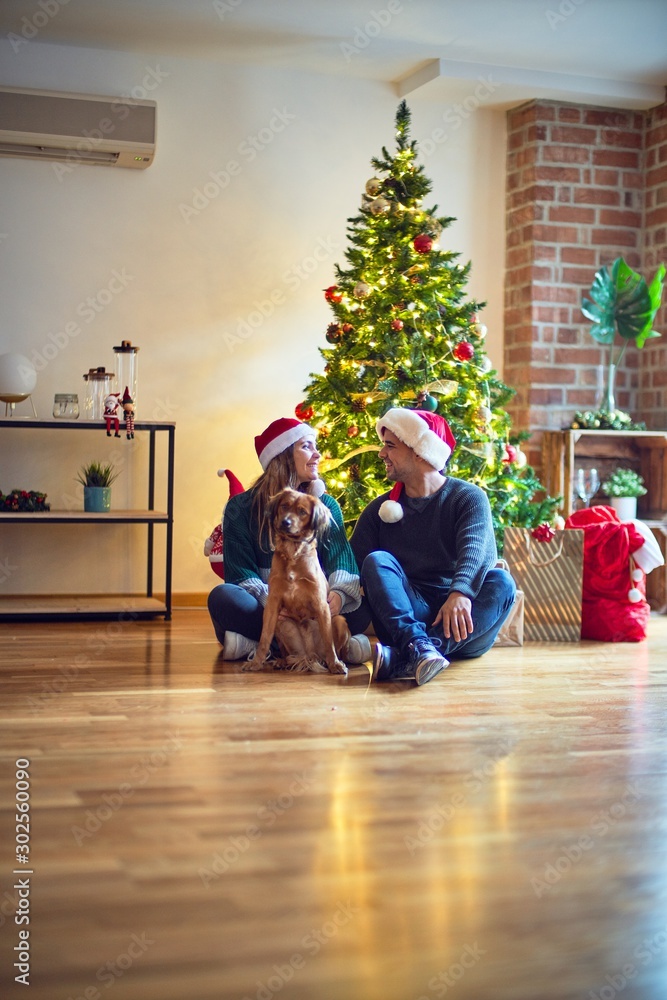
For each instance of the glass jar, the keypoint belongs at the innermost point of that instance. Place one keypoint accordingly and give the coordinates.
(99, 383)
(126, 362)
(66, 406)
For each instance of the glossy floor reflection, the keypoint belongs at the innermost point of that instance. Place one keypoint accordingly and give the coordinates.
(203, 833)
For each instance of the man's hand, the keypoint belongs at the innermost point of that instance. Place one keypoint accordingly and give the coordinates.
(455, 616)
(335, 602)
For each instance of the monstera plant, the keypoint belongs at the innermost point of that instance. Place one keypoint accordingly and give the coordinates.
(620, 304)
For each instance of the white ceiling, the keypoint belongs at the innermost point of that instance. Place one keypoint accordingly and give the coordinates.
(610, 52)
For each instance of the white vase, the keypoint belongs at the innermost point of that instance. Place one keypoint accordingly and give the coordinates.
(625, 507)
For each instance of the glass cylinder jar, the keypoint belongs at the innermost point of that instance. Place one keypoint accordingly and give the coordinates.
(126, 362)
(66, 406)
(99, 383)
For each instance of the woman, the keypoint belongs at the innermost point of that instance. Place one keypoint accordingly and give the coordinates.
(289, 457)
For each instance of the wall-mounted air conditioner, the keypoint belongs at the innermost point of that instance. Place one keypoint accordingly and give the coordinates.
(77, 128)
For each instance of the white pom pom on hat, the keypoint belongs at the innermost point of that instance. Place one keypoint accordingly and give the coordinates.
(391, 510)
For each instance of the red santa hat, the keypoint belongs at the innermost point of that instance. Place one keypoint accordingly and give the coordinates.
(235, 486)
(428, 434)
(280, 435)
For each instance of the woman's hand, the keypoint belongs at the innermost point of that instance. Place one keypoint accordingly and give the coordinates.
(335, 602)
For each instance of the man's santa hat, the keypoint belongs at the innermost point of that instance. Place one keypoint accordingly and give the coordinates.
(428, 434)
(280, 435)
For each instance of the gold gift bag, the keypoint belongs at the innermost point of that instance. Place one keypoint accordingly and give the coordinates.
(551, 575)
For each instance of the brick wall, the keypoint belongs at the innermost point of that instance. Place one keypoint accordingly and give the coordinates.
(575, 201)
(652, 396)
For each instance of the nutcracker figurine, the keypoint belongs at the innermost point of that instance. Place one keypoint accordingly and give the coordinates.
(128, 409)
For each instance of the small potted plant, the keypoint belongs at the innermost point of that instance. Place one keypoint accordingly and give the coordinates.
(623, 487)
(96, 480)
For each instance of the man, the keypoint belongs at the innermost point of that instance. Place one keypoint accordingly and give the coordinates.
(427, 554)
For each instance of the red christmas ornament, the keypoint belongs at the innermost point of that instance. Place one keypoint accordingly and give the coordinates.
(348, 328)
(303, 412)
(333, 294)
(334, 333)
(397, 324)
(543, 533)
(510, 454)
(352, 431)
(464, 351)
(423, 243)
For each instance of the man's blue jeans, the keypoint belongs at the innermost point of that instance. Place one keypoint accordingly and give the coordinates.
(402, 612)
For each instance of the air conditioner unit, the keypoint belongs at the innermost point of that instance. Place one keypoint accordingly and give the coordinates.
(77, 128)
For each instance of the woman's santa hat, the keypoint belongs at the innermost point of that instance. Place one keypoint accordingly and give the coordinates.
(280, 435)
(428, 434)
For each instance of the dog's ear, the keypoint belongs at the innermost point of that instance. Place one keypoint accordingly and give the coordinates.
(271, 511)
(320, 517)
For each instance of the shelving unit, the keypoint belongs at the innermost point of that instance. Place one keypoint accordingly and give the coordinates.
(13, 608)
(643, 450)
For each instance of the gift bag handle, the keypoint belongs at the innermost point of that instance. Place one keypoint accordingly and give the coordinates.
(544, 562)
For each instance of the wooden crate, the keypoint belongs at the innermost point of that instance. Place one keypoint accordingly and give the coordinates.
(643, 451)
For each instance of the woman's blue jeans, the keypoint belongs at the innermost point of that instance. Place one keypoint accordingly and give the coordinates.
(233, 609)
(402, 612)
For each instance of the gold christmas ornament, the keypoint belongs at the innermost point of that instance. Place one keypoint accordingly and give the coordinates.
(480, 330)
(361, 290)
(373, 187)
(379, 206)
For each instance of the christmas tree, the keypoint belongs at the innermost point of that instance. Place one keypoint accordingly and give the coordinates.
(405, 334)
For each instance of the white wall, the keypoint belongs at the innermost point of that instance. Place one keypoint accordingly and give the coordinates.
(193, 283)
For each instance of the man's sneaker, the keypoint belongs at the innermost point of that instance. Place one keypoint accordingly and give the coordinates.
(426, 660)
(356, 650)
(237, 647)
(388, 666)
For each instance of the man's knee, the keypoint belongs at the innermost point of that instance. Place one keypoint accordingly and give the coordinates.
(378, 561)
(501, 585)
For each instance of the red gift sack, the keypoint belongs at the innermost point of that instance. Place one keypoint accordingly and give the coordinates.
(608, 614)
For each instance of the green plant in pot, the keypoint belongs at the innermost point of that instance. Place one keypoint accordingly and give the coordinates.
(623, 487)
(621, 303)
(96, 480)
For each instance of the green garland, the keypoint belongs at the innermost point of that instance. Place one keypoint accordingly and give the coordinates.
(603, 420)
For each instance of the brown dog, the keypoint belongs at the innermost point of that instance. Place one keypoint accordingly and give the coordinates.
(296, 610)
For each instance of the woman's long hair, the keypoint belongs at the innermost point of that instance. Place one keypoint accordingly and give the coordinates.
(279, 475)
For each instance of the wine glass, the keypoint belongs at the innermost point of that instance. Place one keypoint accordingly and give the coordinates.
(587, 484)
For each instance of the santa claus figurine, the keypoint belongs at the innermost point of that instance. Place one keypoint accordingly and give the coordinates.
(111, 408)
(128, 410)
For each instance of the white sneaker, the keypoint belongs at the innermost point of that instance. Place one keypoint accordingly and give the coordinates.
(356, 650)
(237, 647)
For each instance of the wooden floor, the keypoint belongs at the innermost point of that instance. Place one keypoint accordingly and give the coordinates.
(199, 833)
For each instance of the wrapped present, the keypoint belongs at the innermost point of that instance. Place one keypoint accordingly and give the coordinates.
(549, 571)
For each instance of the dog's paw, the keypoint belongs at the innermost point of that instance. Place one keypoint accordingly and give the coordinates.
(338, 668)
(253, 666)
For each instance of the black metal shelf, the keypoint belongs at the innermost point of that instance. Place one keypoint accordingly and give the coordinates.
(37, 607)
